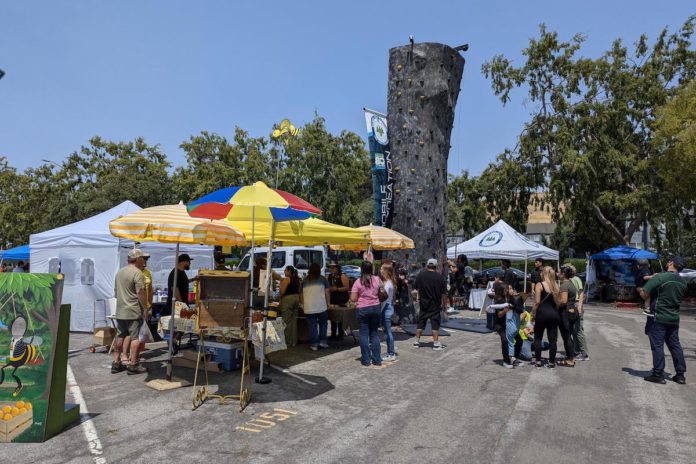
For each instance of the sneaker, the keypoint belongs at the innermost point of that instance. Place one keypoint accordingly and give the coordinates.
(507, 365)
(323, 345)
(439, 347)
(389, 358)
(314, 348)
(551, 365)
(451, 310)
(518, 362)
(648, 313)
(116, 368)
(416, 344)
(679, 378)
(377, 366)
(655, 379)
(137, 369)
(582, 357)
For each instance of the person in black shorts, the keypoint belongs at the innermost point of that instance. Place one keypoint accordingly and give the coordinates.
(431, 289)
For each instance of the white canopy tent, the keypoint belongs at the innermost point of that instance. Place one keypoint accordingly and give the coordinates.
(89, 257)
(500, 241)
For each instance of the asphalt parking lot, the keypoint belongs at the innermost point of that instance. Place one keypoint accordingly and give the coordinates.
(456, 406)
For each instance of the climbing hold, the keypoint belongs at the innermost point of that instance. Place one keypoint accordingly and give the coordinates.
(419, 190)
(404, 126)
(411, 111)
(397, 168)
(421, 143)
(398, 94)
(413, 170)
(420, 222)
(423, 97)
(398, 66)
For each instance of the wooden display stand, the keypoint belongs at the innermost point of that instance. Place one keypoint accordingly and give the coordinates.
(222, 301)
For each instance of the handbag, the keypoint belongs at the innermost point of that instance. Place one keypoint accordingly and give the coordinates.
(572, 313)
(382, 293)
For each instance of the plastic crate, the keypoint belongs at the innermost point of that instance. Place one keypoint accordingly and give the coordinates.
(230, 355)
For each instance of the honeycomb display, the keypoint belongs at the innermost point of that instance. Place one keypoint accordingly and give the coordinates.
(222, 299)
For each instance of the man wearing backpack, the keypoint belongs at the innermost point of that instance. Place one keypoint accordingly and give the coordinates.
(578, 327)
(668, 289)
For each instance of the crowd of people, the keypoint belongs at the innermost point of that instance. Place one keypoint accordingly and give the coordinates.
(21, 266)
(557, 306)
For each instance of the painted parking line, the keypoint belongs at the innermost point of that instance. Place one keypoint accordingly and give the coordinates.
(95, 446)
(292, 374)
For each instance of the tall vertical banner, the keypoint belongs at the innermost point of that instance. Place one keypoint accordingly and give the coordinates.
(381, 167)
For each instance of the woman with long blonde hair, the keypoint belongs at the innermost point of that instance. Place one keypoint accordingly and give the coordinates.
(389, 280)
(545, 314)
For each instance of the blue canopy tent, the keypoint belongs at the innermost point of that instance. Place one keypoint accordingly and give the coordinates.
(616, 268)
(20, 253)
(623, 252)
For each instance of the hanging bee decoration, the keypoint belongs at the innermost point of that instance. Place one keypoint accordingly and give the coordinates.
(22, 351)
(285, 130)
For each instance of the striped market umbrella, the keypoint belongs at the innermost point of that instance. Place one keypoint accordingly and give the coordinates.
(172, 224)
(379, 238)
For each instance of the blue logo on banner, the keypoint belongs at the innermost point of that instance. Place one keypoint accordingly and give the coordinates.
(491, 239)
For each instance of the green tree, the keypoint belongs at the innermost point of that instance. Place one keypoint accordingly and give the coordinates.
(105, 173)
(465, 215)
(675, 140)
(330, 171)
(213, 162)
(589, 141)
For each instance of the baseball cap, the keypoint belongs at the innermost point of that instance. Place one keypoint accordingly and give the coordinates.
(678, 262)
(334, 264)
(184, 257)
(432, 262)
(137, 253)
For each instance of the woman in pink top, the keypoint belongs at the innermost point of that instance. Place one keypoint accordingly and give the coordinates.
(365, 296)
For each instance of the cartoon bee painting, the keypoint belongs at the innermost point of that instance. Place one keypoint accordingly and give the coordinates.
(22, 351)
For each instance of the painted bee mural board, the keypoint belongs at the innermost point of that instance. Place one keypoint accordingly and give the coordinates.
(33, 357)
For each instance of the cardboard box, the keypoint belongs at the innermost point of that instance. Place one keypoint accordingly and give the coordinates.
(104, 336)
(191, 364)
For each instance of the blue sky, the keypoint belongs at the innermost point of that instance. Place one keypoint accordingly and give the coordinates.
(166, 70)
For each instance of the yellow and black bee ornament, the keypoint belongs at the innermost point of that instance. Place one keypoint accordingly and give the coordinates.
(22, 351)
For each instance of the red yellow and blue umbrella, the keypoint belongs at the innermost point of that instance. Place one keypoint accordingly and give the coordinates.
(256, 202)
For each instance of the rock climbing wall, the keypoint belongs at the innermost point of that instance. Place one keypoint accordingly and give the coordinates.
(423, 89)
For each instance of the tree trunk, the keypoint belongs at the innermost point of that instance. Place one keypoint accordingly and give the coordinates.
(423, 89)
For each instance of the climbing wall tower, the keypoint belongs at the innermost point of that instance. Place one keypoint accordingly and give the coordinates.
(423, 89)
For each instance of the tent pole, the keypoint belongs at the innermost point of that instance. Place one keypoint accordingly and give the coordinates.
(251, 263)
(269, 278)
(526, 258)
(171, 320)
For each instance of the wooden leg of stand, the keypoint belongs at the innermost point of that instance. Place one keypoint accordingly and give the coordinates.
(200, 394)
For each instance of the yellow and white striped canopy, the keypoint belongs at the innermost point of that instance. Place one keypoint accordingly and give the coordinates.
(380, 238)
(172, 224)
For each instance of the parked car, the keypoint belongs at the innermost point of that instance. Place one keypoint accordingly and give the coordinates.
(487, 275)
(688, 274)
(353, 272)
(299, 256)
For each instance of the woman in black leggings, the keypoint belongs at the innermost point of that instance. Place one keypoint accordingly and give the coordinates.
(545, 315)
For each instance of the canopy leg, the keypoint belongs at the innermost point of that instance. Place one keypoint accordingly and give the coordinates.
(171, 319)
(269, 278)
